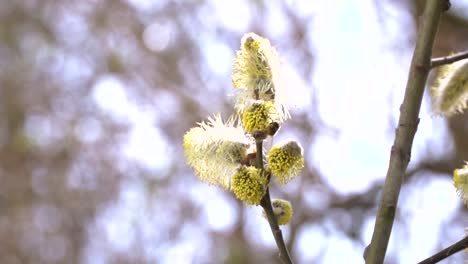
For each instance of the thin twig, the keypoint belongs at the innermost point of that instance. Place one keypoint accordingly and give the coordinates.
(266, 204)
(404, 134)
(445, 253)
(259, 154)
(436, 62)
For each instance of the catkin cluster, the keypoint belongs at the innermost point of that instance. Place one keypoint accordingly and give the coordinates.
(222, 153)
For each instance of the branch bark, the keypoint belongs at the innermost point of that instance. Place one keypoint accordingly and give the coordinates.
(447, 252)
(266, 204)
(436, 62)
(404, 134)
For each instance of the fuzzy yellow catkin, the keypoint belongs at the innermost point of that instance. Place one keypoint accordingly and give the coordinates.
(285, 161)
(283, 211)
(450, 91)
(460, 181)
(254, 66)
(215, 150)
(258, 116)
(249, 185)
(257, 76)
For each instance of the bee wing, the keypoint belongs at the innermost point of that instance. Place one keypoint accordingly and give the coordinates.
(268, 143)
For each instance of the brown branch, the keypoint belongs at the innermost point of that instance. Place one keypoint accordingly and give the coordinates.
(436, 62)
(404, 134)
(266, 204)
(445, 253)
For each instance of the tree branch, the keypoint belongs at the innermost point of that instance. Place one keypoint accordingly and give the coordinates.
(266, 204)
(404, 134)
(445, 253)
(436, 62)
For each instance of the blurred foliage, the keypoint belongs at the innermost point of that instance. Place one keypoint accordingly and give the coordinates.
(63, 170)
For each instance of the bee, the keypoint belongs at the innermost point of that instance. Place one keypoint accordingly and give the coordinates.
(272, 128)
(249, 159)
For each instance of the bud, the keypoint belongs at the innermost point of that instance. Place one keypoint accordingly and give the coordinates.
(283, 211)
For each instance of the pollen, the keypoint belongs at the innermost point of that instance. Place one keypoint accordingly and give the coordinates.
(249, 185)
(285, 161)
(258, 116)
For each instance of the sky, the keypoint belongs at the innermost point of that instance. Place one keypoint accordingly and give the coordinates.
(359, 82)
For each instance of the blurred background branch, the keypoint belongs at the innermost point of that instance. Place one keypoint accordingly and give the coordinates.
(449, 59)
(408, 122)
